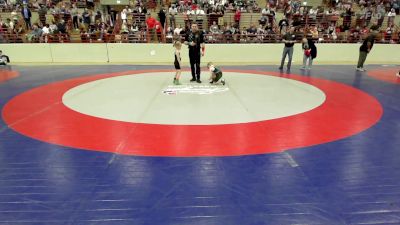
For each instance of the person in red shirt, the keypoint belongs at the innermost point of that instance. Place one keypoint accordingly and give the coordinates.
(237, 16)
(151, 24)
(159, 30)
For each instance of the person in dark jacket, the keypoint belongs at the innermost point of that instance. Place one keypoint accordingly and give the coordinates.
(310, 53)
(366, 47)
(195, 40)
(26, 14)
(162, 17)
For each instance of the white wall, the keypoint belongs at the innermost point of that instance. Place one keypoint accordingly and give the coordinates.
(236, 54)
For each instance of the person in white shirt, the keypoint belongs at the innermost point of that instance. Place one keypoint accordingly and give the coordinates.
(10, 24)
(173, 11)
(214, 29)
(391, 15)
(52, 28)
(265, 10)
(177, 30)
(199, 15)
(46, 29)
(188, 18)
(124, 15)
(45, 32)
(190, 12)
(199, 11)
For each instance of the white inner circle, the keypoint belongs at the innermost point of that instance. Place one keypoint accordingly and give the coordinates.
(140, 98)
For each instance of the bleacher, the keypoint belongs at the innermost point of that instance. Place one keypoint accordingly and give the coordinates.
(227, 19)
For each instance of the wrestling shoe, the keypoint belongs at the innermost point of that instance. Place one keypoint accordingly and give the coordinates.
(360, 69)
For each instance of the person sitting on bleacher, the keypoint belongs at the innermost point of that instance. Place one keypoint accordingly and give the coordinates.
(264, 17)
(35, 34)
(61, 27)
(9, 25)
(45, 32)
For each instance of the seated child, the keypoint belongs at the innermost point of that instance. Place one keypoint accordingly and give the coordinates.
(4, 59)
(216, 74)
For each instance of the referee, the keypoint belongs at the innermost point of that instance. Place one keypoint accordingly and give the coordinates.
(195, 40)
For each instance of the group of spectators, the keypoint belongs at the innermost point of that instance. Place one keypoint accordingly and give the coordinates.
(335, 20)
(330, 22)
(58, 20)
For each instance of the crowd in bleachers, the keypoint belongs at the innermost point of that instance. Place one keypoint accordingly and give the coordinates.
(221, 20)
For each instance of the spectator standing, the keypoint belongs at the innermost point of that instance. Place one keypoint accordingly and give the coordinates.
(14, 16)
(162, 16)
(391, 15)
(159, 31)
(368, 16)
(237, 16)
(199, 16)
(313, 13)
(124, 14)
(113, 15)
(289, 39)
(90, 4)
(26, 14)
(42, 12)
(347, 18)
(74, 14)
(310, 53)
(151, 25)
(366, 47)
(283, 24)
(173, 11)
(86, 18)
(381, 12)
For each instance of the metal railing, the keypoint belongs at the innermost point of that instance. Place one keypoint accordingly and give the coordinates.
(145, 37)
(304, 23)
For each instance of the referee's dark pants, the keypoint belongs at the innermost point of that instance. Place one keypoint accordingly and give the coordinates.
(361, 59)
(194, 58)
(28, 23)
